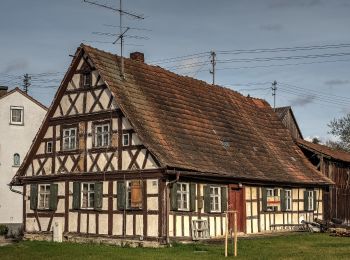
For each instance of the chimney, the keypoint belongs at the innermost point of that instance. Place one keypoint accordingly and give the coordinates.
(3, 90)
(137, 56)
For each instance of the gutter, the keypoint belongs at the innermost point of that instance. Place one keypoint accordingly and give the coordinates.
(13, 190)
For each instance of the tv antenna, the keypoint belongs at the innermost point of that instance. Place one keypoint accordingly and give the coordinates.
(122, 33)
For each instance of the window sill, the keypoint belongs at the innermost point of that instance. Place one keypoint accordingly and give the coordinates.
(16, 166)
(19, 124)
(45, 210)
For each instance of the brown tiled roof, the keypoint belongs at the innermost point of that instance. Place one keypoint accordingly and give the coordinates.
(191, 125)
(324, 150)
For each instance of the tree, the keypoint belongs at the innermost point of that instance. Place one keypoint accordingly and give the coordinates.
(315, 140)
(341, 129)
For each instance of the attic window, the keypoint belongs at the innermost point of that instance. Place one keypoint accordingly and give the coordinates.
(86, 79)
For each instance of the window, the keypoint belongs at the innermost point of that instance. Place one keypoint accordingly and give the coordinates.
(102, 135)
(310, 200)
(183, 196)
(69, 138)
(49, 147)
(215, 199)
(44, 196)
(133, 194)
(16, 117)
(88, 195)
(126, 141)
(86, 79)
(273, 199)
(16, 160)
(288, 199)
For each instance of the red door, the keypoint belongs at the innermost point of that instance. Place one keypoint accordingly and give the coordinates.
(236, 201)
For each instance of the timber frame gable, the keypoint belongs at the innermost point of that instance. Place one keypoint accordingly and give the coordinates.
(82, 102)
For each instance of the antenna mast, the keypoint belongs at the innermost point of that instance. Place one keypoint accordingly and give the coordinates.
(121, 33)
(26, 82)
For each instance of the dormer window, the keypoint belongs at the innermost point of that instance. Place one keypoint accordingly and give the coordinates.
(86, 78)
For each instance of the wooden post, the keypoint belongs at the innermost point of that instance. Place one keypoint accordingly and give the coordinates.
(234, 231)
(226, 234)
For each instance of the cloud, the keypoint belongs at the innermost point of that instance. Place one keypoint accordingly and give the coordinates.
(271, 27)
(303, 101)
(294, 3)
(15, 65)
(334, 82)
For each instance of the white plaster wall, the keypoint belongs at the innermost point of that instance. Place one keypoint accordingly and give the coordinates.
(15, 139)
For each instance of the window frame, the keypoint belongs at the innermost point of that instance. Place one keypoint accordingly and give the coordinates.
(128, 195)
(212, 198)
(128, 135)
(48, 143)
(21, 108)
(86, 79)
(288, 199)
(69, 128)
(180, 192)
(89, 207)
(310, 203)
(46, 194)
(14, 160)
(274, 195)
(103, 134)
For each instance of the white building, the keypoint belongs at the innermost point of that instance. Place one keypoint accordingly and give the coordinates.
(20, 119)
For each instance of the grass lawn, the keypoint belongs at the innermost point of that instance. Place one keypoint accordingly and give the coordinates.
(300, 246)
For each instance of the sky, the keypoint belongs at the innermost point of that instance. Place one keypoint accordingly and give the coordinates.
(37, 37)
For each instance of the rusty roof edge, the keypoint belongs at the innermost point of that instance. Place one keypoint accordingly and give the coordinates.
(248, 180)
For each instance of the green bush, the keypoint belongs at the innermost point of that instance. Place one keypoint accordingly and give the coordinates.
(3, 230)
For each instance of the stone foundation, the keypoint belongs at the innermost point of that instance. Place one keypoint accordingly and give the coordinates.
(80, 238)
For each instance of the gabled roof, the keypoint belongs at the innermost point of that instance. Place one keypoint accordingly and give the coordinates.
(324, 150)
(282, 113)
(24, 94)
(189, 124)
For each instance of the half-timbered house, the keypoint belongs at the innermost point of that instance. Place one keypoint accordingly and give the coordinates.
(149, 155)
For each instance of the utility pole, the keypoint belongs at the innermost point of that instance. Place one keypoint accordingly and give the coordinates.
(26, 82)
(213, 63)
(274, 88)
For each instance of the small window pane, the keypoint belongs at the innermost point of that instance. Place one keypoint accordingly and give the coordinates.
(16, 159)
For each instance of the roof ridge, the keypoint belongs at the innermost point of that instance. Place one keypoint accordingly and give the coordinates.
(218, 87)
(17, 89)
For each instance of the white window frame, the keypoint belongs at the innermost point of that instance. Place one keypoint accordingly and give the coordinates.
(90, 205)
(44, 196)
(87, 83)
(15, 164)
(47, 147)
(310, 200)
(215, 206)
(183, 196)
(288, 199)
(272, 192)
(70, 138)
(105, 135)
(21, 109)
(128, 138)
(128, 195)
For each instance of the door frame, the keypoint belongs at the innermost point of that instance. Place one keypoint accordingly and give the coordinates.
(236, 187)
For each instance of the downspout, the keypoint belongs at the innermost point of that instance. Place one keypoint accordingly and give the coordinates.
(167, 203)
(13, 190)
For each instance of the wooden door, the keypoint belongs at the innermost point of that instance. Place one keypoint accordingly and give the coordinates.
(236, 201)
